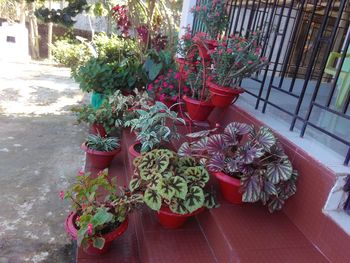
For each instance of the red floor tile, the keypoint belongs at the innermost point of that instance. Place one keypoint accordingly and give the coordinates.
(285, 255)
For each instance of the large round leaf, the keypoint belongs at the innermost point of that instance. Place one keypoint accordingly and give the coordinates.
(152, 199)
(197, 175)
(194, 199)
(179, 184)
(265, 138)
(217, 163)
(178, 207)
(279, 171)
(216, 144)
(165, 189)
(252, 187)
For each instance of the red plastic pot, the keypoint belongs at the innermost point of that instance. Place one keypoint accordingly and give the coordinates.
(99, 159)
(109, 237)
(229, 187)
(198, 110)
(132, 150)
(223, 96)
(168, 219)
(97, 128)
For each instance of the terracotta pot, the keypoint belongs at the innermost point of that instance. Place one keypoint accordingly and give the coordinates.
(229, 187)
(109, 237)
(99, 159)
(198, 110)
(132, 150)
(168, 219)
(223, 96)
(97, 128)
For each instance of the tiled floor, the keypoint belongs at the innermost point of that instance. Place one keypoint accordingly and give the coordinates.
(246, 233)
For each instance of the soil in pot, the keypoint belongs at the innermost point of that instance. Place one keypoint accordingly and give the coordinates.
(99, 159)
(198, 110)
(229, 187)
(110, 233)
(168, 219)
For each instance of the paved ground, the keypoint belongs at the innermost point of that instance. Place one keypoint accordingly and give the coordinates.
(39, 156)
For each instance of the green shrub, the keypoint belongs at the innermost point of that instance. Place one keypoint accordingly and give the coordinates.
(70, 53)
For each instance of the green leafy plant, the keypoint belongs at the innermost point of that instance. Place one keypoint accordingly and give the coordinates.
(213, 15)
(165, 179)
(98, 213)
(154, 125)
(254, 156)
(104, 144)
(70, 53)
(236, 58)
(110, 114)
(96, 75)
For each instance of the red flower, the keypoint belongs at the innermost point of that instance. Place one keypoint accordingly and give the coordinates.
(90, 228)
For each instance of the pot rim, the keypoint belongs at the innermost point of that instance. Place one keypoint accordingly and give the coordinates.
(110, 236)
(100, 153)
(198, 102)
(213, 87)
(166, 211)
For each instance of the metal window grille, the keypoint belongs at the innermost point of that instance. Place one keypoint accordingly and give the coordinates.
(300, 37)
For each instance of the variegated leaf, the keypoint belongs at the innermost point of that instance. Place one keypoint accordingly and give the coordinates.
(279, 171)
(265, 138)
(275, 204)
(216, 144)
(217, 163)
(179, 184)
(152, 199)
(252, 188)
(178, 207)
(194, 198)
(134, 184)
(197, 175)
(165, 189)
(184, 150)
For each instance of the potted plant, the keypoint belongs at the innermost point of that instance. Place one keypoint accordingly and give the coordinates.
(98, 218)
(98, 77)
(155, 127)
(171, 185)
(100, 151)
(165, 88)
(250, 164)
(108, 117)
(234, 59)
(198, 103)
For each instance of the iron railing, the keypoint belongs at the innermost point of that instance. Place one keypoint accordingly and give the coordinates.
(299, 38)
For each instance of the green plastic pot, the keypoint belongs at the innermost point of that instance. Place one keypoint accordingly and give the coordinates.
(97, 99)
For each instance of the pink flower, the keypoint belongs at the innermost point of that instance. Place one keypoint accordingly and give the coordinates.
(61, 194)
(90, 228)
(162, 97)
(150, 87)
(156, 81)
(229, 50)
(161, 77)
(198, 8)
(171, 87)
(165, 84)
(170, 70)
(174, 98)
(177, 75)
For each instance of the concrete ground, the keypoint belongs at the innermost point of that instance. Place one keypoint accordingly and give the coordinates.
(39, 156)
